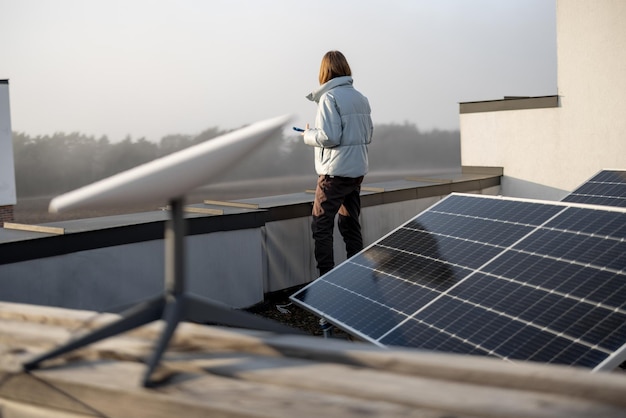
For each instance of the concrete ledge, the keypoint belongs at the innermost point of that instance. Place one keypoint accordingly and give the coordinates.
(93, 233)
(513, 103)
(253, 247)
(495, 171)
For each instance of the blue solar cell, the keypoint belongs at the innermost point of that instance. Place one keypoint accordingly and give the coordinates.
(536, 345)
(410, 268)
(610, 176)
(497, 209)
(364, 315)
(602, 190)
(569, 316)
(606, 188)
(608, 331)
(490, 323)
(520, 333)
(497, 342)
(587, 357)
(475, 229)
(420, 243)
(534, 270)
(602, 223)
(414, 333)
(584, 249)
(603, 287)
(593, 284)
(597, 200)
(551, 351)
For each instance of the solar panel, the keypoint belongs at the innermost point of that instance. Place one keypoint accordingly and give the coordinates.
(509, 278)
(608, 187)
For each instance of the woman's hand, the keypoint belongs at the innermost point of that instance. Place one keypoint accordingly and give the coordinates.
(306, 128)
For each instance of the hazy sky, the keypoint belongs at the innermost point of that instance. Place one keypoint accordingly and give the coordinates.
(148, 68)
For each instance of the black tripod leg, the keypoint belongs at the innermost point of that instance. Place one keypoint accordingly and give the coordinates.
(172, 315)
(205, 310)
(142, 314)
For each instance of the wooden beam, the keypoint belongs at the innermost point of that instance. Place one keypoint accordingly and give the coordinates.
(205, 211)
(232, 204)
(226, 372)
(35, 228)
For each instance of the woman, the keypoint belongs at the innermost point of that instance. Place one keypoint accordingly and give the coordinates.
(343, 129)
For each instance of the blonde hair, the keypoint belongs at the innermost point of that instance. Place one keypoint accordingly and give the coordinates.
(334, 64)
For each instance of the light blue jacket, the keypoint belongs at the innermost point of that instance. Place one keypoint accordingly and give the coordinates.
(343, 129)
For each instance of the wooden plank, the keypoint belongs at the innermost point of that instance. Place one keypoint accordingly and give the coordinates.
(576, 382)
(112, 389)
(30, 390)
(40, 314)
(213, 383)
(205, 211)
(232, 204)
(35, 228)
(457, 398)
(11, 409)
(230, 372)
(524, 376)
(527, 376)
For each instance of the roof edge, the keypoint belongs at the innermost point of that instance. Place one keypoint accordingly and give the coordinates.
(509, 103)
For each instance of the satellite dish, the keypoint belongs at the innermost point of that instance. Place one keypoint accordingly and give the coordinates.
(170, 178)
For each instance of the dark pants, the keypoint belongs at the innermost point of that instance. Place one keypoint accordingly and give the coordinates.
(336, 195)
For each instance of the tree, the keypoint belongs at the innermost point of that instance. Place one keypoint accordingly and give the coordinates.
(46, 165)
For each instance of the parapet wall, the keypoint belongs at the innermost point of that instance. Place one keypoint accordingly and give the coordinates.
(236, 251)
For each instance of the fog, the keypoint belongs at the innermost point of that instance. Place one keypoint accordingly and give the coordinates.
(151, 68)
(51, 164)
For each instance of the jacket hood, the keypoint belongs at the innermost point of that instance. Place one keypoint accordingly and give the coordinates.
(329, 85)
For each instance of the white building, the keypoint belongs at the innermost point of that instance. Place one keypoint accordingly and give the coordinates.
(7, 173)
(548, 146)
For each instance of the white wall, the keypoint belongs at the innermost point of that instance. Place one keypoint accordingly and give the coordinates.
(546, 153)
(524, 143)
(7, 171)
(591, 42)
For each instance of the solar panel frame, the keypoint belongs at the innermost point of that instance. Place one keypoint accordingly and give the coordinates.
(401, 306)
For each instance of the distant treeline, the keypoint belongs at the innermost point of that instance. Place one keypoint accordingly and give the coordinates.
(51, 164)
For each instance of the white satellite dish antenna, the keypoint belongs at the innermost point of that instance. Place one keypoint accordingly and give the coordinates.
(170, 178)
